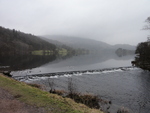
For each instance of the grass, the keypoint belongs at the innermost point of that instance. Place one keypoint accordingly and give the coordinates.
(35, 97)
(62, 52)
(41, 52)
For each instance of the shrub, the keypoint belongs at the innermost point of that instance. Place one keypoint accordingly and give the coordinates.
(89, 100)
(35, 85)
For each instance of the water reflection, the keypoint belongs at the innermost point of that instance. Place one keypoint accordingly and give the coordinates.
(53, 63)
(84, 62)
(37, 64)
(128, 88)
(24, 62)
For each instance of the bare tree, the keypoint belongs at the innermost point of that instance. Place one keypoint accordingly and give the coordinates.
(51, 85)
(147, 27)
(71, 86)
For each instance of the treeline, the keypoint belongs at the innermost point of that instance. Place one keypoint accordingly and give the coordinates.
(73, 51)
(143, 55)
(123, 52)
(14, 42)
(142, 58)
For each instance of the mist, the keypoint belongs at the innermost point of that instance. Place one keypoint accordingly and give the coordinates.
(113, 22)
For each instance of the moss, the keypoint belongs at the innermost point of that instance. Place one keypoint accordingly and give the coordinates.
(36, 97)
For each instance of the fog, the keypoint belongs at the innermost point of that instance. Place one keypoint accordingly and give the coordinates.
(111, 21)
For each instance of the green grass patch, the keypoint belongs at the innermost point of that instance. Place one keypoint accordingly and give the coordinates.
(36, 97)
(42, 52)
(62, 52)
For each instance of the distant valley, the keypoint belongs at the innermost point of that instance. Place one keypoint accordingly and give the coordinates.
(15, 42)
(84, 43)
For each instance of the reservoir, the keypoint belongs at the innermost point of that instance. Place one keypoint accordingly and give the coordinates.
(110, 77)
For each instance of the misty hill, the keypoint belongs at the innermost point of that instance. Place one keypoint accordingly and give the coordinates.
(124, 52)
(76, 42)
(15, 42)
(125, 46)
(55, 42)
(70, 50)
(90, 44)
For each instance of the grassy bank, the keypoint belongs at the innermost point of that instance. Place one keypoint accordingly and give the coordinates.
(35, 97)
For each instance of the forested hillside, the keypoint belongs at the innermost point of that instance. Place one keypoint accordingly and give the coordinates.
(82, 43)
(93, 46)
(14, 42)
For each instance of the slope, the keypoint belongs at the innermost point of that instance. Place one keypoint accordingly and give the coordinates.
(15, 42)
(76, 42)
(89, 44)
(49, 103)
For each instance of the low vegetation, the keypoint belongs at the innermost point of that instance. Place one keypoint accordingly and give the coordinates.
(87, 99)
(90, 100)
(32, 96)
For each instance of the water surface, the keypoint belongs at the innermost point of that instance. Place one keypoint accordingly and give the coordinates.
(126, 87)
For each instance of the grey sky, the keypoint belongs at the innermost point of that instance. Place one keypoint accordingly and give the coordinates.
(111, 21)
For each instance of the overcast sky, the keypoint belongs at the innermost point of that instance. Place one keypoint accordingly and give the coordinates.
(111, 21)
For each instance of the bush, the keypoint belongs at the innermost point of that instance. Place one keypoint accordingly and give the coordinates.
(89, 100)
(35, 85)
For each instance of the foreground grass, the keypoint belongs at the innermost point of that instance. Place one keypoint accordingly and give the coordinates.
(35, 97)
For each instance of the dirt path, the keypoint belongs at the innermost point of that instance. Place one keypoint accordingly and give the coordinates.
(10, 104)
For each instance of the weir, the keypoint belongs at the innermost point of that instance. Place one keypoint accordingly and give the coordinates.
(54, 75)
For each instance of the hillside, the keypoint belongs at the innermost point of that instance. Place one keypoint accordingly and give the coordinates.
(125, 46)
(58, 44)
(71, 49)
(53, 41)
(76, 42)
(89, 44)
(27, 99)
(15, 42)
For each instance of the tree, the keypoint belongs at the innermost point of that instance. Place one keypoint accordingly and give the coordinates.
(142, 58)
(147, 27)
(143, 55)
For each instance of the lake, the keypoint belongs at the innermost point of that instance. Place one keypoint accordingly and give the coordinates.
(106, 75)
